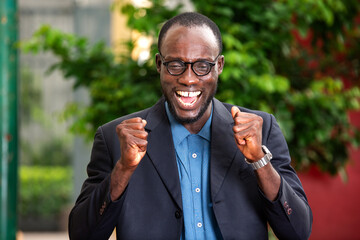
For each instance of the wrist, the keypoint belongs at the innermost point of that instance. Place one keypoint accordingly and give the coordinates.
(124, 167)
(256, 158)
(119, 179)
(263, 161)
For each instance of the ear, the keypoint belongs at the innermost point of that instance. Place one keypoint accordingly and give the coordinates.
(220, 63)
(158, 62)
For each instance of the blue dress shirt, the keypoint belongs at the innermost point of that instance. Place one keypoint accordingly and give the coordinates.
(193, 160)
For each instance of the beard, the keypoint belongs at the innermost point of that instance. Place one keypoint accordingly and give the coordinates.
(203, 109)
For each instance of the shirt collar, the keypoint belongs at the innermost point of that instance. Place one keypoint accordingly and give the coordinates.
(180, 132)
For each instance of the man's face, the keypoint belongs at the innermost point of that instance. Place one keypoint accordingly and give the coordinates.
(189, 96)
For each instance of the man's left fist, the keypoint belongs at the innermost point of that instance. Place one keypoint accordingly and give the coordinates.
(248, 134)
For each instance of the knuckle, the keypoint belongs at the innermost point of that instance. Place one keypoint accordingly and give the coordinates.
(138, 126)
(142, 135)
(123, 129)
(236, 129)
(138, 119)
(258, 121)
(119, 129)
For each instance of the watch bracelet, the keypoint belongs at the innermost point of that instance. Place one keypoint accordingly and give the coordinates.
(263, 161)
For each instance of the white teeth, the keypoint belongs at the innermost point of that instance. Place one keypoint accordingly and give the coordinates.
(185, 94)
(188, 94)
(187, 104)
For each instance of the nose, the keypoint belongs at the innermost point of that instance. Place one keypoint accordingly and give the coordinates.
(188, 77)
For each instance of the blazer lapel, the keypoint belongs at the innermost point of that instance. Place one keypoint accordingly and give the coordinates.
(161, 150)
(223, 147)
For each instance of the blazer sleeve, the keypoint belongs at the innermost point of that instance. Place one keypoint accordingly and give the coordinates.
(94, 215)
(289, 215)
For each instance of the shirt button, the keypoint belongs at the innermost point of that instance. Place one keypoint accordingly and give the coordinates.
(199, 224)
(194, 155)
(197, 189)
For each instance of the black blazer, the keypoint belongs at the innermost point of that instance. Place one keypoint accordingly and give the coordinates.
(151, 206)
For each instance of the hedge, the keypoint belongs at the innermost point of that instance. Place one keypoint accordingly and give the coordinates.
(44, 191)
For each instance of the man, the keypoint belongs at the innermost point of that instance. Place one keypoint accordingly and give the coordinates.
(190, 167)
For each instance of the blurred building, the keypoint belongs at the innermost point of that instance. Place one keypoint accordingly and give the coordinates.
(88, 18)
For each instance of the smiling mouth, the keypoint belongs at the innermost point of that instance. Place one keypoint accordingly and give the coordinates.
(188, 99)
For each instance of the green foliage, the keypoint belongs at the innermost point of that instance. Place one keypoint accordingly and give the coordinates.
(116, 87)
(42, 151)
(267, 67)
(48, 153)
(264, 70)
(30, 95)
(44, 191)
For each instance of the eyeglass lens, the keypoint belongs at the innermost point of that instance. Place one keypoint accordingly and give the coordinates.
(199, 67)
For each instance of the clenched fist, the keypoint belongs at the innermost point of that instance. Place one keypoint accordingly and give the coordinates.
(133, 144)
(133, 141)
(248, 134)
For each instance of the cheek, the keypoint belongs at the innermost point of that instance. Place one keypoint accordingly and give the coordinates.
(166, 84)
(167, 79)
(210, 84)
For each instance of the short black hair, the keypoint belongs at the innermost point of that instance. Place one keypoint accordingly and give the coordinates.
(191, 19)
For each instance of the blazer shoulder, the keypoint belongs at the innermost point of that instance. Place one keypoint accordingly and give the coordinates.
(267, 117)
(115, 122)
(108, 129)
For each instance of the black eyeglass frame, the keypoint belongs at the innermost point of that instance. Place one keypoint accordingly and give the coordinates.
(212, 64)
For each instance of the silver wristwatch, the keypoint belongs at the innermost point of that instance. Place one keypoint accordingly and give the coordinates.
(263, 161)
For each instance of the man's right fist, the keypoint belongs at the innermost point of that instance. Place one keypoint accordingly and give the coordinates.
(133, 141)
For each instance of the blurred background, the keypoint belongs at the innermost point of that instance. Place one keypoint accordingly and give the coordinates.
(69, 66)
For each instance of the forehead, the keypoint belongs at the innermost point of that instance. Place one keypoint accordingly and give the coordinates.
(195, 39)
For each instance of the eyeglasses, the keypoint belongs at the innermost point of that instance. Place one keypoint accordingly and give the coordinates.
(178, 67)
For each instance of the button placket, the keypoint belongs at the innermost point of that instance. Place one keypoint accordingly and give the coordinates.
(195, 163)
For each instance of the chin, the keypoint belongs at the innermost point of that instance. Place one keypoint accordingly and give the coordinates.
(184, 120)
(188, 120)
